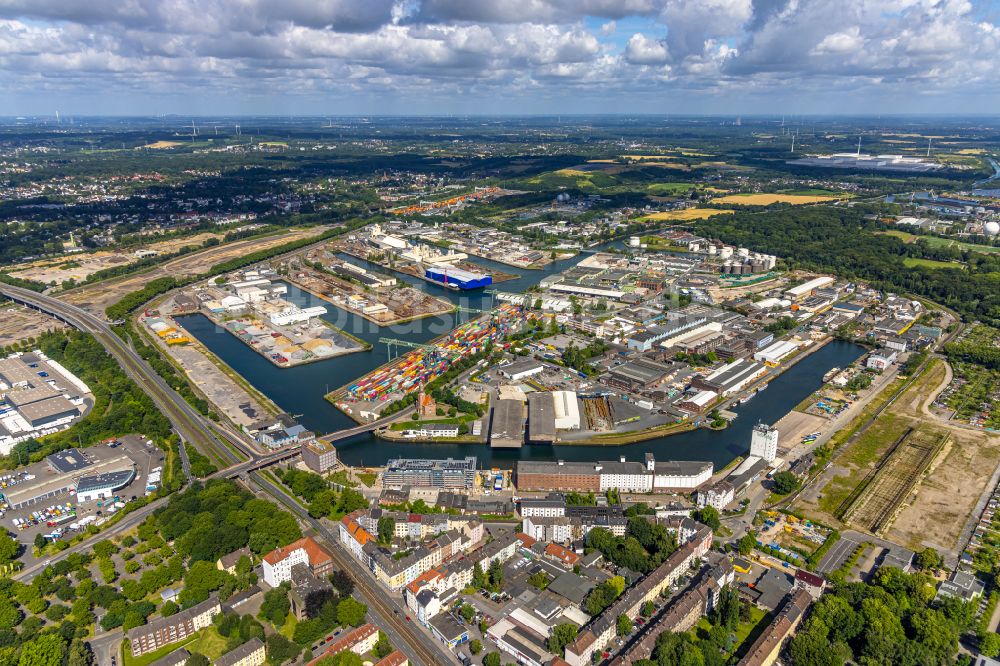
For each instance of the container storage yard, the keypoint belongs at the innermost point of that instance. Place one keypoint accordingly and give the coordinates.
(366, 397)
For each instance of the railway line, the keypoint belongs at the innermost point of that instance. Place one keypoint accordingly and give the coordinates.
(223, 444)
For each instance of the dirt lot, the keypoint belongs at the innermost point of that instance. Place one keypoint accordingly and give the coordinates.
(79, 267)
(936, 512)
(18, 323)
(227, 394)
(97, 297)
(948, 492)
(793, 426)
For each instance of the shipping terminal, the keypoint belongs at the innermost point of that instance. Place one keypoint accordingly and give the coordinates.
(457, 278)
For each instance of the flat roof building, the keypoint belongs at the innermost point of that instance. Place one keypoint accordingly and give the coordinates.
(68, 460)
(541, 418)
(449, 473)
(318, 455)
(652, 476)
(102, 486)
(507, 425)
(638, 374)
(43, 488)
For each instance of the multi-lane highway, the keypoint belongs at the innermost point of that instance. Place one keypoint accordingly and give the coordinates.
(188, 423)
(212, 438)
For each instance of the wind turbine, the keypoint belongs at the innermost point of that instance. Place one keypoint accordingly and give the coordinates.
(929, 139)
(194, 130)
(237, 130)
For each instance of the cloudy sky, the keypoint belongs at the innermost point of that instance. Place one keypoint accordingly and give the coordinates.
(498, 56)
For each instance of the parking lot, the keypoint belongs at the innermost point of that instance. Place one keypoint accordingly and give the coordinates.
(47, 504)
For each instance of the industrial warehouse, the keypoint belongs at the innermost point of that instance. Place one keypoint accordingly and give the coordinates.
(91, 475)
(39, 397)
(622, 475)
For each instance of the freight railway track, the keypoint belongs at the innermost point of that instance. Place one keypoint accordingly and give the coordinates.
(224, 444)
(893, 480)
(188, 423)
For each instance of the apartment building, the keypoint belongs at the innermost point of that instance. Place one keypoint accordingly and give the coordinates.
(166, 630)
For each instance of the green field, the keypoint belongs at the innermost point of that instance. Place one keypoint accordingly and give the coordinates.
(910, 262)
(935, 241)
(672, 189)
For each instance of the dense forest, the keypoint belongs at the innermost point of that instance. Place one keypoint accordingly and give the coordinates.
(846, 241)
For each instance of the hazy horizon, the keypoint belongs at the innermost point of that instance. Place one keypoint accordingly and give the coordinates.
(463, 57)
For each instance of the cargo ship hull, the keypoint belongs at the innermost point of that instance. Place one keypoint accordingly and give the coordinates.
(458, 279)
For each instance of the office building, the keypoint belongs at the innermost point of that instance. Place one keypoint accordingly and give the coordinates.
(415, 472)
(319, 456)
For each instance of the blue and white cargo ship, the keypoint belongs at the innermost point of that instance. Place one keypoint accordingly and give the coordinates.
(457, 278)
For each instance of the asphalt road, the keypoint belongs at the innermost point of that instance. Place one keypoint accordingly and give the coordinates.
(188, 423)
(384, 612)
(212, 438)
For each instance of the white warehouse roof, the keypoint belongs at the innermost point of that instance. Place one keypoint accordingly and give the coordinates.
(808, 286)
(567, 410)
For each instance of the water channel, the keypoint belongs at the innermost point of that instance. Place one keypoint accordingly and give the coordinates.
(300, 390)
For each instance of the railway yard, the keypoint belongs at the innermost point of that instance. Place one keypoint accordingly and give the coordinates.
(909, 478)
(96, 297)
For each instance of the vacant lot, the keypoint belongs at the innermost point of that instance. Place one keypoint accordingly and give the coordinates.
(20, 323)
(99, 295)
(934, 512)
(768, 199)
(80, 266)
(687, 214)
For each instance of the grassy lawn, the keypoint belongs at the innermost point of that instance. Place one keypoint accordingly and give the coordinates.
(415, 425)
(757, 615)
(340, 477)
(288, 628)
(910, 262)
(367, 478)
(150, 657)
(210, 643)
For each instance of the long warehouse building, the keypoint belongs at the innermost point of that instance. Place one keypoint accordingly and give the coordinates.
(73, 470)
(622, 475)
